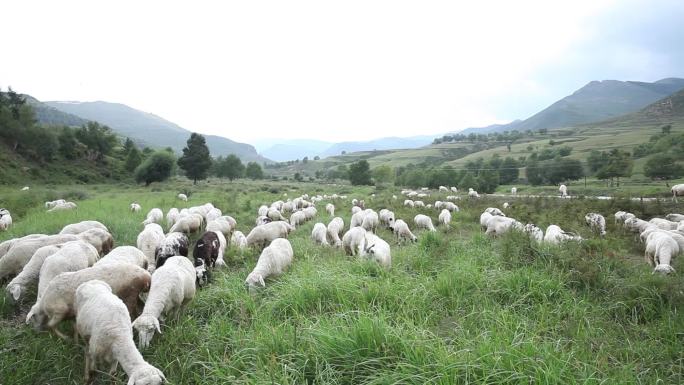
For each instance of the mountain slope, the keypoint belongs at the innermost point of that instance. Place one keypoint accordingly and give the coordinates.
(50, 116)
(597, 101)
(151, 129)
(378, 144)
(291, 149)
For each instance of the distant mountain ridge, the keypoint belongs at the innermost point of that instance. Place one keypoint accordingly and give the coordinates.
(149, 129)
(596, 101)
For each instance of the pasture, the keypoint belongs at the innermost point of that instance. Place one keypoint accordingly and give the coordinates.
(455, 308)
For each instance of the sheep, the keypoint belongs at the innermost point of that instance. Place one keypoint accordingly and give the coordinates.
(484, 219)
(454, 189)
(334, 229)
(319, 234)
(472, 193)
(221, 225)
(423, 222)
(182, 197)
(63, 207)
(173, 286)
(172, 216)
(660, 249)
(72, 256)
(424, 189)
(445, 217)
(452, 197)
(5, 219)
(125, 254)
(273, 261)
(357, 219)
(188, 224)
(262, 211)
(274, 215)
(261, 236)
(297, 218)
(498, 225)
(213, 246)
(263, 219)
(494, 211)
(238, 240)
(57, 303)
(664, 223)
(21, 252)
(51, 204)
(154, 216)
(7, 245)
(438, 205)
(386, 218)
(596, 222)
(230, 220)
(514, 190)
(443, 188)
(677, 190)
(354, 241)
(356, 209)
(450, 206)
(394, 197)
(535, 233)
(80, 227)
(212, 214)
(402, 231)
(675, 217)
(506, 205)
(134, 207)
(636, 225)
(288, 207)
(563, 189)
(25, 188)
(101, 239)
(148, 241)
(418, 204)
(330, 209)
(378, 250)
(173, 244)
(103, 321)
(310, 212)
(619, 216)
(555, 235)
(370, 220)
(412, 194)
(354, 202)
(31, 271)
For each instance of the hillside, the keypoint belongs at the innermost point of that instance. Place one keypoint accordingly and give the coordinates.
(50, 116)
(150, 129)
(597, 101)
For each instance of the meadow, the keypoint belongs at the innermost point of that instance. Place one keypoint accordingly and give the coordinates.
(455, 308)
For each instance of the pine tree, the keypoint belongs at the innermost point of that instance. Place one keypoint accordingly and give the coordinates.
(196, 160)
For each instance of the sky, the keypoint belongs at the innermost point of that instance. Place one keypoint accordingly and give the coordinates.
(345, 70)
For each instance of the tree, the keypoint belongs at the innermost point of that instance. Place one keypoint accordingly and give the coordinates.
(156, 168)
(616, 164)
(666, 129)
(133, 159)
(195, 160)
(663, 166)
(99, 140)
(231, 167)
(298, 177)
(254, 171)
(383, 175)
(508, 172)
(359, 173)
(68, 145)
(305, 160)
(317, 157)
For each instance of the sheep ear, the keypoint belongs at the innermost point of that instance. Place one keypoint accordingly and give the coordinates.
(16, 292)
(156, 326)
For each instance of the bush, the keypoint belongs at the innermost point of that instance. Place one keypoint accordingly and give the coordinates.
(156, 168)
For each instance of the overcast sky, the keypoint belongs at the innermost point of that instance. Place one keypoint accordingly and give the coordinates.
(346, 70)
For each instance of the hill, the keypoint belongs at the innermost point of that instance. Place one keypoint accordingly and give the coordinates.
(50, 116)
(149, 129)
(597, 101)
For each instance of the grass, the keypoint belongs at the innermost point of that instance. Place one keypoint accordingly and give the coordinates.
(455, 308)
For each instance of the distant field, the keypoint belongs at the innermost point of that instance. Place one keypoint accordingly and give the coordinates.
(455, 308)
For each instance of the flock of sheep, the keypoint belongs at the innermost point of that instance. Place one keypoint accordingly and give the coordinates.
(80, 275)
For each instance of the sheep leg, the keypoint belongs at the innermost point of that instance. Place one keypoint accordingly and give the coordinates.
(648, 259)
(52, 325)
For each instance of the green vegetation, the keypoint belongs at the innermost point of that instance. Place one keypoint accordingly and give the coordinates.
(254, 171)
(157, 168)
(359, 173)
(456, 307)
(195, 160)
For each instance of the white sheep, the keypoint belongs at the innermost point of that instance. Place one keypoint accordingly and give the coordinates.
(25, 188)
(506, 205)
(102, 240)
(445, 217)
(563, 189)
(21, 252)
(675, 217)
(472, 193)
(72, 256)
(125, 254)
(498, 225)
(660, 249)
(238, 240)
(261, 236)
(677, 191)
(148, 240)
(7, 245)
(262, 211)
(443, 188)
(212, 214)
(370, 220)
(103, 321)
(273, 261)
(386, 218)
(134, 207)
(5, 219)
(183, 197)
(275, 215)
(31, 271)
(354, 241)
(555, 235)
(310, 212)
(63, 207)
(330, 209)
(334, 229)
(319, 234)
(535, 233)
(297, 218)
(231, 220)
(454, 189)
(664, 223)
(514, 190)
(154, 216)
(188, 224)
(356, 209)
(173, 286)
(263, 219)
(450, 206)
(484, 219)
(378, 250)
(80, 227)
(221, 225)
(418, 204)
(402, 231)
(423, 222)
(357, 219)
(51, 204)
(495, 211)
(596, 222)
(172, 216)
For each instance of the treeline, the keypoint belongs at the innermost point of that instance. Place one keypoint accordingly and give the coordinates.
(505, 137)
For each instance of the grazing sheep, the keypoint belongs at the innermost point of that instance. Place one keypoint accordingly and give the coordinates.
(454, 189)
(514, 190)
(57, 303)
(452, 197)
(438, 205)
(125, 254)
(402, 231)
(450, 206)
(288, 207)
(664, 223)
(677, 191)
(148, 241)
(505, 205)
(188, 224)
(102, 240)
(355, 202)
(418, 204)
(25, 188)
(63, 207)
(5, 219)
(423, 222)
(386, 218)
(103, 321)
(484, 219)
(354, 241)
(498, 225)
(7, 245)
(80, 227)
(261, 236)
(212, 214)
(356, 209)
(472, 193)
(660, 249)
(297, 218)
(319, 234)
(535, 233)
(274, 215)
(378, 250)
(675, 217)
(173, 286)
(310, 212)
(334, 229)
(183, 197)
(330, 209)
(443, 188)
(238, 240)
(206, 254)
(394, 197)
(135, 208)
(445, 217)
(262, 211)
(51, 204)
(563, 189)
(370, 220)
(262, 220)
(273, 261)
(173, 244)
(596, 222)
(555, 235)
(21, 252)
(357, 219)
(221, 225)
(172, 216)
(619, 216)
(231, 220)
(154, 216)
(72, 256)
(636, 225)
(31, 271)
(494, 211)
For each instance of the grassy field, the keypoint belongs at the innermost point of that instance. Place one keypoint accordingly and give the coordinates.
(455, 308)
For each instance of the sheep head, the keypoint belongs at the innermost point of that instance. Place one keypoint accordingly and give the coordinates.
(255, 280)
(146, 325)
(15, 291)
(146, 375)
(663, 269)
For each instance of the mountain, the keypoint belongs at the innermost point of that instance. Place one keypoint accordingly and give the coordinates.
(50, 116)
(390, 143)
(149, 129)
(597, 101)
